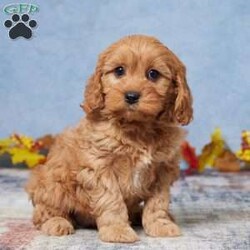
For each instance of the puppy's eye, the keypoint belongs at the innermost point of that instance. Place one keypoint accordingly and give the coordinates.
(119, 71)
(153, 75)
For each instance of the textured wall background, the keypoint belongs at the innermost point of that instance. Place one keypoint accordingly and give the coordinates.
(41, 80)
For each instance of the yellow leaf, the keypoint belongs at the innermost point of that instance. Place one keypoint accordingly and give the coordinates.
(23, 140)
(20, 155)
(211, 150)
(5, 143)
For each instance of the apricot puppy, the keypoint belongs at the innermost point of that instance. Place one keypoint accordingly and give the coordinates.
(123, 156)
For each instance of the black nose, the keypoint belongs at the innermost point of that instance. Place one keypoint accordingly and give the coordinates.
(132, 97)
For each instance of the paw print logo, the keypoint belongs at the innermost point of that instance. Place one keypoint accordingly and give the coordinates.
(20, 27)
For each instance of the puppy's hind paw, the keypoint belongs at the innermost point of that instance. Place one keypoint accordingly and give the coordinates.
(118, 233)
(57, 226)
(162, 228)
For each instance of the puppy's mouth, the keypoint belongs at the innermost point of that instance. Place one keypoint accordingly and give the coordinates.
(132, 113)
(135, 106)
(132, 108)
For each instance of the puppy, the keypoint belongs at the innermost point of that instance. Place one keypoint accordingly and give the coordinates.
(123, 156)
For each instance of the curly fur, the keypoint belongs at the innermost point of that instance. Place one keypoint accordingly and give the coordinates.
(116, 166)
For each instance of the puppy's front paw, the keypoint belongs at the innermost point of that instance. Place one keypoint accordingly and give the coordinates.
(118, 233)
(57, 226)
(162, 228)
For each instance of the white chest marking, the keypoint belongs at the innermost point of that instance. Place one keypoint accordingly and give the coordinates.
(141, 169)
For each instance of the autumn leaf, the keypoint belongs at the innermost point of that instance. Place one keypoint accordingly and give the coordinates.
(20, 155)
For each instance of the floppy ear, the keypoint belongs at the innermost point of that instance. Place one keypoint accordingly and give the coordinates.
(183, 110)
(93, 96)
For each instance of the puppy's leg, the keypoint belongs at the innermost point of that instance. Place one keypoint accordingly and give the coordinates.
(52, 221)
(156, 220)
(107, 205)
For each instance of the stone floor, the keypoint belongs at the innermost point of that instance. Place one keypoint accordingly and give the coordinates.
(213, 211)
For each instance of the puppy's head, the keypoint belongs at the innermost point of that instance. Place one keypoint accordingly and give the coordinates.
(139, 79)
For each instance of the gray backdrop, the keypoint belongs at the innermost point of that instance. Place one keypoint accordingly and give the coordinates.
(42, 79)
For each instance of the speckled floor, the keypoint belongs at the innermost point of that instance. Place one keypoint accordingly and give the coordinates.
(213, 211)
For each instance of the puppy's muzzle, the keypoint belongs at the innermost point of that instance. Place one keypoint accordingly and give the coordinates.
(131, 97)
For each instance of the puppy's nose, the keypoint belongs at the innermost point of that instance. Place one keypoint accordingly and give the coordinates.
(132, 97)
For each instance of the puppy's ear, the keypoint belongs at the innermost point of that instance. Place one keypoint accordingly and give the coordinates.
(93, 95)
(183, 110)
